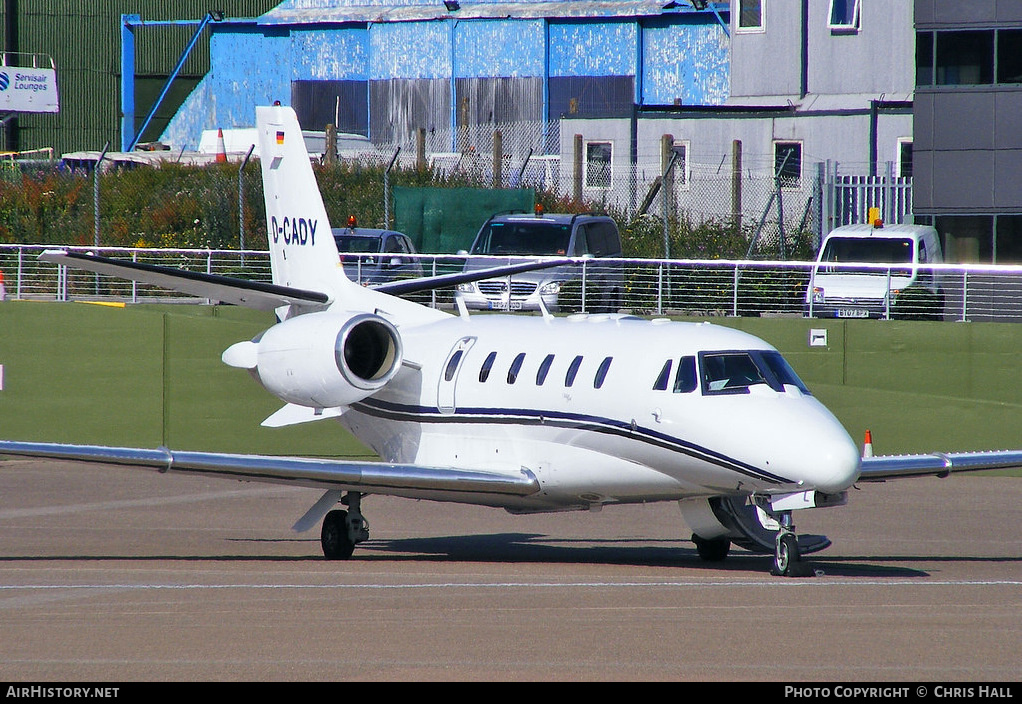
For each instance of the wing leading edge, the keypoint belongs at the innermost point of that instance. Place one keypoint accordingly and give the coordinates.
(365, 477)
(882, 468)
(251, 294)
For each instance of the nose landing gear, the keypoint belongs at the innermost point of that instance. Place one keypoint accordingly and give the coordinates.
(787, 555)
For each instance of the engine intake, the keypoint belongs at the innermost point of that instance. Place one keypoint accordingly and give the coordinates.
(324, 360)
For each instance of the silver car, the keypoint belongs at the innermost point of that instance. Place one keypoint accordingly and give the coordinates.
(514, 238)
(371, 256)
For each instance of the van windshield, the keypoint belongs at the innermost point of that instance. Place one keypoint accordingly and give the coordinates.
(868, 250)
(524, 238)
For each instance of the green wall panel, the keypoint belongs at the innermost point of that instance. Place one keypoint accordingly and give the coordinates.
(148, 375)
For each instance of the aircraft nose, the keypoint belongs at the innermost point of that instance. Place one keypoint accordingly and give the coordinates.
(822, 455)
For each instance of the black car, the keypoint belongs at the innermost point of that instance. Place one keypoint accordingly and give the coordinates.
(371, 256)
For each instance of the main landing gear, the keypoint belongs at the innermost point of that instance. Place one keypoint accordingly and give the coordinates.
(342, 530)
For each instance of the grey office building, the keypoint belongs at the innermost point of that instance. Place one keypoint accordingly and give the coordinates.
(967, 164)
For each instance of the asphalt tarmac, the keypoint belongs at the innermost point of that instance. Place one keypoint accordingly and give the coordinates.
(122, 575)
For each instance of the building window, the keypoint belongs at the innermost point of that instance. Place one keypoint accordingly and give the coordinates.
(844, 15)
(750, 15)
(598, 161)
(1009, 56)
(965, 58)
(905, 157)
(788, 164)
(924, 58)
(681, 172)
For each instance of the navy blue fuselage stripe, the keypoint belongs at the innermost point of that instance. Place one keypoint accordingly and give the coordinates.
(425, 414)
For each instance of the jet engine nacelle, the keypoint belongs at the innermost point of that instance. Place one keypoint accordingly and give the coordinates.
(322, 360)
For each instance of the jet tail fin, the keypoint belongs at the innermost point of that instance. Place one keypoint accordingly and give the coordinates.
(302, 249)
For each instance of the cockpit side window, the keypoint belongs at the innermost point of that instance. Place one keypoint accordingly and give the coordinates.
(661, 381)
(729, 372)
(686, 380)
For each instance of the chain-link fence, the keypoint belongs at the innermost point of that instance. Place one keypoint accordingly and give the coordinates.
(679, 210)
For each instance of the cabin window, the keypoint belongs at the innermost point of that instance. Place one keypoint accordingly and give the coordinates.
(601, 373)
(452, 366)
(484, 372)
(516, 366)
(544, 367)
(569, 378)
(661, 380)
(686, 381)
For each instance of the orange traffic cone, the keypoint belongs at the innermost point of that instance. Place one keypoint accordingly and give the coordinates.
(221, 150)
(867, 445)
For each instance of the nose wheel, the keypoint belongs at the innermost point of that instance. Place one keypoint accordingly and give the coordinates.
(787, 555)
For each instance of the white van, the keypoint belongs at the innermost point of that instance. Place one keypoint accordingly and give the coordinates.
(877, 271)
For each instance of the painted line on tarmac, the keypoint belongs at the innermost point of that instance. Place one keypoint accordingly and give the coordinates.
(10, 513)
(529, 585)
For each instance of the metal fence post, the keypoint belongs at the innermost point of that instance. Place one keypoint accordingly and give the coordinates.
(660, 288)
(584, 270)
(965, 296)
(734, 293)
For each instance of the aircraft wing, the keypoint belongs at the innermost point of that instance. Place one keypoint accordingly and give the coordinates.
(365, 477)
(882, 468)
(251, 294)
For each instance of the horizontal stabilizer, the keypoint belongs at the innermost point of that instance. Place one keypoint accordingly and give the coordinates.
(251, 294)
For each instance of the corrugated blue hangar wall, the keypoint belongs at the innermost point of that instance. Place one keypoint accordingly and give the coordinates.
(386, 79)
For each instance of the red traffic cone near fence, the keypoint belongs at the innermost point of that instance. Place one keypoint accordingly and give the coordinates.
(221, 150)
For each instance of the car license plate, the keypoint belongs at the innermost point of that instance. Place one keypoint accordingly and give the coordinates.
(852, 313)
(505, 305)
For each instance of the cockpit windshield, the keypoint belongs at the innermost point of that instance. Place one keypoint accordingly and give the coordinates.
(736, 371)
(536, 238)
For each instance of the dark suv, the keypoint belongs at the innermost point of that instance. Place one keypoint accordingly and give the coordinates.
(372, 256)
(519, 237)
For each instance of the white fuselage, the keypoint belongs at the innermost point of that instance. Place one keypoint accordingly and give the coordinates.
(589, 440)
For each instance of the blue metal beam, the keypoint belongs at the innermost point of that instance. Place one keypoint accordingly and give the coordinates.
(129, 138)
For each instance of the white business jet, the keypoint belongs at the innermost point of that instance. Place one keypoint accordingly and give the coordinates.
(528, 414)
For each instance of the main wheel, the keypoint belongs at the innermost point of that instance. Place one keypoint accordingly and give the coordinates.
(334, 536)
(786, 554)
(713, 549)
